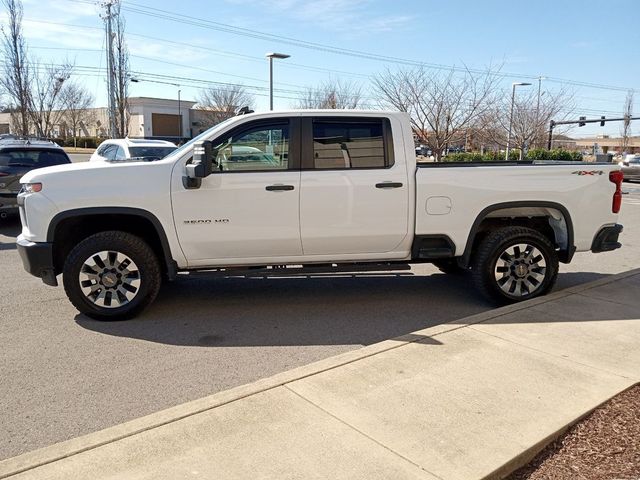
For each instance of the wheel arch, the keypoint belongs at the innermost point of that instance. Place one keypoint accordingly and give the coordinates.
(67, 228)
(559, 227)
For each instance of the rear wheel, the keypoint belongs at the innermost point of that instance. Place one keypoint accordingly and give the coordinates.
(513, 264)
(111, 276)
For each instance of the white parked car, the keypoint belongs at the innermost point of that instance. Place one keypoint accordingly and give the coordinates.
(120, 149)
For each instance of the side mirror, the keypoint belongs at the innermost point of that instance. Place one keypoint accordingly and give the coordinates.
(203, 157)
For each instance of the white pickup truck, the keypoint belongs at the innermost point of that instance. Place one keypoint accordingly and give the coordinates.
(308, 191)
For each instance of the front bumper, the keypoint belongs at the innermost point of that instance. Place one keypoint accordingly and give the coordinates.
(607, 239)
(37, 259)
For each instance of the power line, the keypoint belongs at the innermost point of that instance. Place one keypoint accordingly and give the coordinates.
(606, 100)
(301, 88)
(90, 71)
(189, 20)
(257, 90)
(164, 14)
(252, 58)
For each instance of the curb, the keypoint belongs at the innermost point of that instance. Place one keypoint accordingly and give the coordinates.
(68, 448)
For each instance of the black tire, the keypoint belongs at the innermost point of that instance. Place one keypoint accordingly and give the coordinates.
(142, 280)
(449, 266)
(520, 277)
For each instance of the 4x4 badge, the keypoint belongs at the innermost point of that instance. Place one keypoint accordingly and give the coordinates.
(588, 172)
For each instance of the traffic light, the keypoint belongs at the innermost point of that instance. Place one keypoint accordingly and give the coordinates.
(581, 123)
(602, 119)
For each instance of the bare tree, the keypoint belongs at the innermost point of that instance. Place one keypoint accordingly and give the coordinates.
(442, 106)
(122, 76)
(16, 80)
(530, 118)
(625, 132)
(76, 103)
(34, 88)
(219, 103)
(45, 109)
(332, 95)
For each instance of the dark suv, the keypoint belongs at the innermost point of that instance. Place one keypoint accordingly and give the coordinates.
(17, 157)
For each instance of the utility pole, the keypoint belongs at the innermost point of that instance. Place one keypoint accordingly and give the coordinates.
(111, 80)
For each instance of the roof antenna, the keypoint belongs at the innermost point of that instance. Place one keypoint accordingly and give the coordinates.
(245, 110)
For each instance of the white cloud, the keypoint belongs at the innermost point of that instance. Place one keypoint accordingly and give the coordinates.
(161, 51)
(582, 44)
(51, 23)
(60, 9)
(349, 16)
(40, 33)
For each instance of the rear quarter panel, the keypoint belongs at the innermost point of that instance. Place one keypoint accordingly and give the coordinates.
(583, 189)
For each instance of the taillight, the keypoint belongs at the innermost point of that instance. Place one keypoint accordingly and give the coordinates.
(616, 177)
(3, 174)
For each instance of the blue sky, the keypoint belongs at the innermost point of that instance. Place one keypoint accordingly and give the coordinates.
(584, 41)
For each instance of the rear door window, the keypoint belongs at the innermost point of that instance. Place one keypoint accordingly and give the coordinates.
(351, 143)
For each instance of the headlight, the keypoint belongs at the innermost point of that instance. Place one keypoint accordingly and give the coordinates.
(31, 187)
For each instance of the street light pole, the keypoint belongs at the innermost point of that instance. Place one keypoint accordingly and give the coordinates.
(539, 88)
(270, 83)
(179, 117)
(538, 110)
(513, 98)
(271, 56)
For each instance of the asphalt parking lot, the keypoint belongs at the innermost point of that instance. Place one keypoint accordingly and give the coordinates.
(79, 157)
(64, 375)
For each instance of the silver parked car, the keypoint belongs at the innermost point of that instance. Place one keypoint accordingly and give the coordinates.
(631, 168)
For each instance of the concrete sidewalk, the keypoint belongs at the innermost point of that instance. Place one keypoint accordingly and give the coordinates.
(464, 400)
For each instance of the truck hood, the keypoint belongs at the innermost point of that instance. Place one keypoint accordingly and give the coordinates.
(89, 170)
(145, 186)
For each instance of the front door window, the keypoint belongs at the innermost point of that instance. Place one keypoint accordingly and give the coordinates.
(262, 148)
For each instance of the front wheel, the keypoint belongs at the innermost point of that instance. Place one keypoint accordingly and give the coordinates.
(513, 264)
(111, 275)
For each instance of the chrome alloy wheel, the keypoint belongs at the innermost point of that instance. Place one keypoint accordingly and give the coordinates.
(109, 279)
(520, 269)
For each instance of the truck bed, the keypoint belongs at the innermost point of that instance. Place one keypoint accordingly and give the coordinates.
(451, 196)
